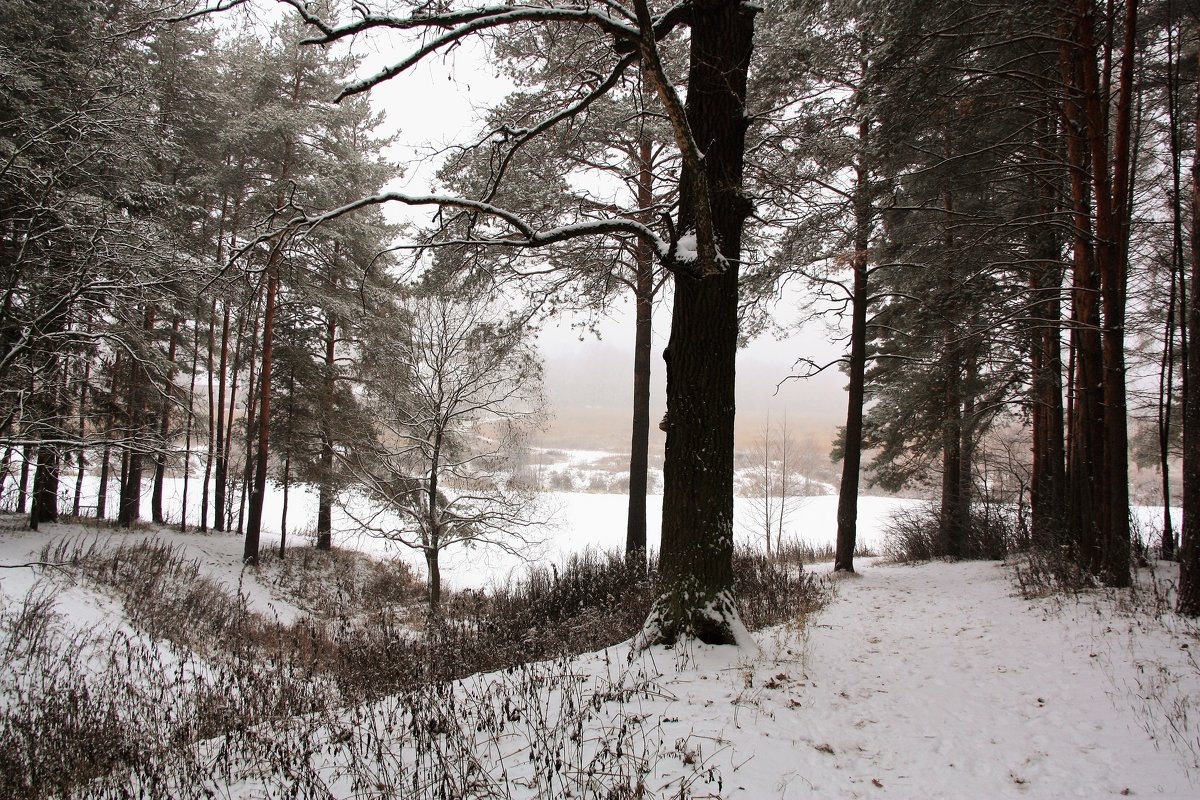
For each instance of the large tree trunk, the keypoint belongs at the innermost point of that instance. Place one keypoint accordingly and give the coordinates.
(1173, 323)
(105, 459)
(1189, 550)
(283, 514)
(1085, 434)
(953, 533)
(222, 516)
(164, 428)
(189, 423)
(82, 431)
(1113, 237)
(1047, 491)
(435, 578)
(45, 487)
(210, 438)
(697, 536)
(635, 530)
(131, 482)
(23, 477)
(847, 513)
(953, 524)
(1106, 542)
(221, 468)
(258, 493)
(325, 491)
(251, 414)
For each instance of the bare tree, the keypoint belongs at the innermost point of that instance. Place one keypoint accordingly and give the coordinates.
(701, 246)
(775, 487)
(452, 387)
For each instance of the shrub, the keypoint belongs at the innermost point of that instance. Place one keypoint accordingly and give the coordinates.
(917, 533)
(173, 707)
(799, 551)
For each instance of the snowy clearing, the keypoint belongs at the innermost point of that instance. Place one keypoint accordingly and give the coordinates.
(932, 681)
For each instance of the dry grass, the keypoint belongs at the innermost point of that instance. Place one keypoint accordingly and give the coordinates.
(193, 685)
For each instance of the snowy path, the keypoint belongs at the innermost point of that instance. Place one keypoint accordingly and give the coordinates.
(938, 681)
(933, 681)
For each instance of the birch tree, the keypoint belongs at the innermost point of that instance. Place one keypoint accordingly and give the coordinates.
(452, 387)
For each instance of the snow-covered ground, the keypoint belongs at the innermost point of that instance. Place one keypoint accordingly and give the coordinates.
(939, 681)
(575, 521)
(931, 681)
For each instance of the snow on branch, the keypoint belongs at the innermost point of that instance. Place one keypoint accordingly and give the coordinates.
(524, 135)
(707, 258)
(523, 234)
(457, 25)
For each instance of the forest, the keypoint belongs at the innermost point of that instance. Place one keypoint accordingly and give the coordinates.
(217, 277)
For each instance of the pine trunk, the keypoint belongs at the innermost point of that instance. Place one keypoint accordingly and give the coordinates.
(1047, 493)
(847, 513)
(251, 415)
(258, 493)
(45, 487)
(131, 479)
(189, 423)
(102, 491)
(697, 536)
(23, 477)
(1189, 550)
(635, 530)
(1085, 473)
(164, 428)
(82, 431)
(211, 427)
(221, 468)
(325, 491)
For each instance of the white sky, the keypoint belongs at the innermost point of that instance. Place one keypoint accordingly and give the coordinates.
(441, 101)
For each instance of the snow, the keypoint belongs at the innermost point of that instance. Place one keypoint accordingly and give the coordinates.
(931, 681)
(219, 556)
(685, 248)
(578, 520)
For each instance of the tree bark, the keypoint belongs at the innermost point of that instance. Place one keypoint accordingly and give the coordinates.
(82, 461)
(953, 528)
(283, 515)
(45, 487)
(1106, 540)
(191, 416)
(105, 459)
(1189, 550)
(325, 491)
(1047, 495)
(1085, 435)
(434, 570)
(258, 493)
(635, 531)
(131, 483)
(23, 478)
(847, 513)
(164, 427)
(697, 537)
(210, 438)
(251, 414)
(221, 468)
(223, 516)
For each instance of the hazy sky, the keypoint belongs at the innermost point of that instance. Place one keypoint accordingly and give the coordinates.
(596, 376)
(589, 382)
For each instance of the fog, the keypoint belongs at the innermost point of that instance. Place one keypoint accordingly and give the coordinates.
(589, 380)
(589, 383)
